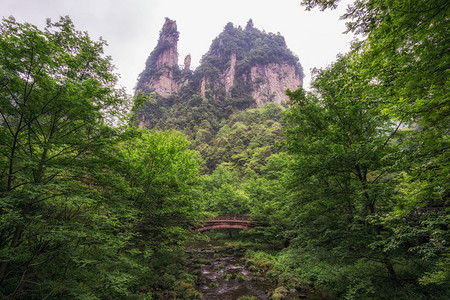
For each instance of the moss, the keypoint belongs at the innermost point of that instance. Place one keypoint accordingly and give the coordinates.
(226, 277)
(240, 277)
(213, 285)
(281, 290)
(185, 290)
(277, 296)
(252, 268)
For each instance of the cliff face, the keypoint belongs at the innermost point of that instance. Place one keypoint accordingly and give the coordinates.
(168, 42)
(270, 82)
(162, 74)
(267, 82)
(239, 64)
(250, 63)
(228, 76)
(243, 68)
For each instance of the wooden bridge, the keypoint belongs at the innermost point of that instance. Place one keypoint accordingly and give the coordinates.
(227, 221)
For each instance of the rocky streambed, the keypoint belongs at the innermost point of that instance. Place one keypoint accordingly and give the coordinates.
(223, 276)
(220, 272)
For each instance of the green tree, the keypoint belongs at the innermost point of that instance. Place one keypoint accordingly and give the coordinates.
(268, 201)
(223, 192)
(405, 49)
(160, 169)
(346, 153)
(56, 96)
(153, 195)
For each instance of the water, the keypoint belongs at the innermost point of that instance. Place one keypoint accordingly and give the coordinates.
(223, 276)
(220, 274)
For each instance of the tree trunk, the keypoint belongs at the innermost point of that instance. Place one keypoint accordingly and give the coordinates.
(391, 271)
(14, 243)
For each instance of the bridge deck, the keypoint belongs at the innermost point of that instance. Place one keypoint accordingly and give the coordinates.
(227, 221)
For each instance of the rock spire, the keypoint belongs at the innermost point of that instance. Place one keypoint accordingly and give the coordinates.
(162, 65)
(244, 64)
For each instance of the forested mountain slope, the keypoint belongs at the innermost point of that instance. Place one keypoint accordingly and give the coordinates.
(244, 68)
(348, 184)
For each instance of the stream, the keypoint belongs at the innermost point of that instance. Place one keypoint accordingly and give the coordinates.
(224, 277)
(221, 274)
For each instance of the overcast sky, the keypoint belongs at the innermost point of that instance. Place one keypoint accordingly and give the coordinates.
(132, 27)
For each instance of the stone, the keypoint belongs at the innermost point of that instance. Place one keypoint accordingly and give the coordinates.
(271, 81)
(164, 61)
(281, 290)
(228, 79)
(187, 62)
(266, 82)
(277, 296)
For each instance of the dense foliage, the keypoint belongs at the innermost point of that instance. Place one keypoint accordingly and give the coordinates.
(251, 46)
(360, 198)
(245, 141)
(370, 177)
(87, 210)
(221, 131)
(348, 167)
(349, 184)
(188, 110)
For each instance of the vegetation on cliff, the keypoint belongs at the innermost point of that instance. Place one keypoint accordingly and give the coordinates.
(167, 40)
(210, 120)
(252, 47)
(349, 184)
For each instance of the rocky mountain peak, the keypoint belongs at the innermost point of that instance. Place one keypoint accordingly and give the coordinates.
(249, 25)
(168, 42)
(162, 74)
(241, 63)
(250, 63)
(169, 31)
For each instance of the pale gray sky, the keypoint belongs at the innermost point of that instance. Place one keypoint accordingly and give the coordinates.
(132, 27)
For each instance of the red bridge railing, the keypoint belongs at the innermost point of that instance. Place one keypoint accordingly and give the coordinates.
(227, 221)
(230, 217)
